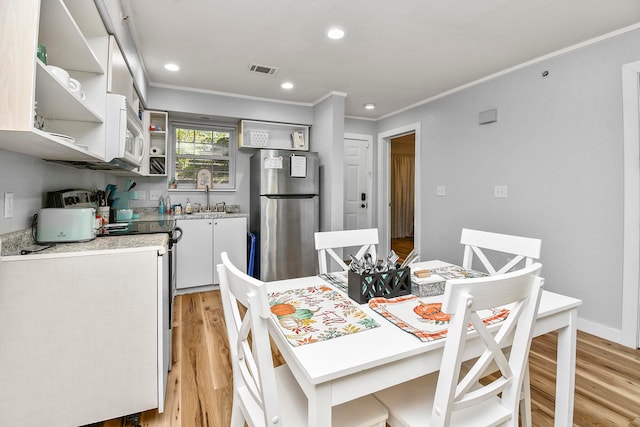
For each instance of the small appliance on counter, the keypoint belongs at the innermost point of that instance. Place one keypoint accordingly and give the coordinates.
(60, 225)
(72, 198)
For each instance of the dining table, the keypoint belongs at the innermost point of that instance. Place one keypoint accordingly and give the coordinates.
(334, 371)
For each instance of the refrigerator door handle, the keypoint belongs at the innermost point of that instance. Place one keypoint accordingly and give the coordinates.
(290, 196)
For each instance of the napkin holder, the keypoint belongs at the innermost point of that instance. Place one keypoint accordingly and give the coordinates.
(428, 288)
(387, 284)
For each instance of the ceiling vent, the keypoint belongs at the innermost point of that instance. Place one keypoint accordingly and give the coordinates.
(263, 69)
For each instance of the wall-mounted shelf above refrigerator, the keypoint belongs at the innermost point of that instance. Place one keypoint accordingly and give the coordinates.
(281, 136)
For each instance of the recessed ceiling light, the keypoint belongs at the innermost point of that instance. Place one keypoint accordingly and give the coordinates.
(335, 33)
(287, 85)
(369, 106)
(171, 67)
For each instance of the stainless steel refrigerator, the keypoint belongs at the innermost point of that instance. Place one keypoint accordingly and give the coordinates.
(284, 211)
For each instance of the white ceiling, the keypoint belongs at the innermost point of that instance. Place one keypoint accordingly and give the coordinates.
(396, 53)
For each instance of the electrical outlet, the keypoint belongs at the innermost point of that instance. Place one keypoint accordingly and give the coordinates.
(155, 195)
(500, 191)
(441, 191)
(8, 205)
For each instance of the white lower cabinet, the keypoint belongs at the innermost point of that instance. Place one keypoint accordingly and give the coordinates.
(203, 240)
(195, 253)
(230, 236)
(84, 336)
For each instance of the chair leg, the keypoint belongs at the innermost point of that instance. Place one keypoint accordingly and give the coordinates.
(525, 400)
(237, 418)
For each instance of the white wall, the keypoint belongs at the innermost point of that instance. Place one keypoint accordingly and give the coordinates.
(558, 146)
(29, 179)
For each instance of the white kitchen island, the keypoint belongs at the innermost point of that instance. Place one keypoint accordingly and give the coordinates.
(84, 333)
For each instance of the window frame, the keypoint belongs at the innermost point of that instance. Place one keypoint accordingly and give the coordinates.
(215, 127)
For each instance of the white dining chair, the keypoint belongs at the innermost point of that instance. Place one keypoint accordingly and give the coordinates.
(264, 395)
(515, 250)
(328, 241)
(442, 398)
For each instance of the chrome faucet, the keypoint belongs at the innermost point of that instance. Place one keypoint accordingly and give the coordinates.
(206, 189)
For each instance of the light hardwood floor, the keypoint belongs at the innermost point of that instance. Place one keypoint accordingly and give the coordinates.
(200, 390)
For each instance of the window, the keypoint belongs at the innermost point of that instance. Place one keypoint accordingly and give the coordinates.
(204, 147)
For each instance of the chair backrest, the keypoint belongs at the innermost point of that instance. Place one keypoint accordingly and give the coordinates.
(253, 372)
(521, 248)
(327, 241)
(463, 299)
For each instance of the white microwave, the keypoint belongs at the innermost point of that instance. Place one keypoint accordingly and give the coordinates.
(125, 137)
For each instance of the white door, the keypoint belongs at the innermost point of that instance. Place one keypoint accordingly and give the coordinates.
(357, 186)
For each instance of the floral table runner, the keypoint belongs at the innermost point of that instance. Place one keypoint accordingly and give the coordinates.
(423, 317)
(317, 313)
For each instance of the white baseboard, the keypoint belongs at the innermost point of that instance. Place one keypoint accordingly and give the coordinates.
(601, 331)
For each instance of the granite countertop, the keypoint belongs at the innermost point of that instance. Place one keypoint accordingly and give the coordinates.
(154, 216)
(197, 215)
(13, 243)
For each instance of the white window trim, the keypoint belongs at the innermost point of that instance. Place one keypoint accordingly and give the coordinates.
(233, 147)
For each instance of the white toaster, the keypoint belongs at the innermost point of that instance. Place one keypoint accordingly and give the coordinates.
(56, 225)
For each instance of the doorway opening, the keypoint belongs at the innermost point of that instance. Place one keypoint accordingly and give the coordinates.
(383, 197)
(402, 195)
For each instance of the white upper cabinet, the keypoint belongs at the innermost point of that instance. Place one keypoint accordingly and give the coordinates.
(77, 42)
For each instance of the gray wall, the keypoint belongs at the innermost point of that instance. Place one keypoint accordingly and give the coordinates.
(360, 126)
(327, 138)
(212, 104)
(29, 179)
(558, 146)
(223, 110)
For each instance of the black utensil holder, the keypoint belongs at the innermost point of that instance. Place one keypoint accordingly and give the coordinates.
(386, 284)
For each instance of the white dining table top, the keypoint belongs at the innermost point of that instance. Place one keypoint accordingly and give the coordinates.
(343, 356)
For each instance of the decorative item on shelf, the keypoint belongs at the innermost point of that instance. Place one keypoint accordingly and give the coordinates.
(157, 166)
(66, 138)
(59, 73)
(42, 53)
(156, 151)
(76, 88)
(297, 137)
(259, 138)
(38, 120)
(203, 179)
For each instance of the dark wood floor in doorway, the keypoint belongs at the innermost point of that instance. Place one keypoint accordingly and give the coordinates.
(402, 247)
